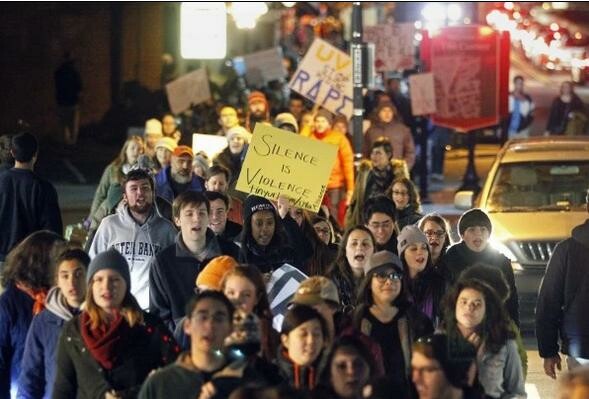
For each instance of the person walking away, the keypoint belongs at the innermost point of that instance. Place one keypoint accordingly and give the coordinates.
(68, 87)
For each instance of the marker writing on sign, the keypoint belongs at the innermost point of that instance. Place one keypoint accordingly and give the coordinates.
(269, 148)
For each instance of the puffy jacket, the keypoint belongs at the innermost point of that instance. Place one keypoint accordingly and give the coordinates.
(173, 272)
(163, 187)
(398, 134)
(138, 244)
(458, 257)
(16, 312)
(561, 310)
(342, 174)
(40, 355)
(80, 376)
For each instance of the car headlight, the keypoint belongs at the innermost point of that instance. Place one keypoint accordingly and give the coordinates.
(504, 249)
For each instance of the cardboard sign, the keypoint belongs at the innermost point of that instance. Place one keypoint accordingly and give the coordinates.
(394, 49)
(325, 77)
(190, 89)
(279, 162)
(210, 144)
(281, 287)
(263, 66)
(422, 92)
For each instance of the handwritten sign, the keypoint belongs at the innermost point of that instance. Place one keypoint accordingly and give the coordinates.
(190, 89)
(394, 49)
(423, 95)
(210, 144)
(264, 66)
(325, 77)
(279, 162)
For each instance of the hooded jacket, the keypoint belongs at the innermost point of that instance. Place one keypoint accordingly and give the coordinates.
(138, 244)
(561, 310)
(398, 134)
(459, 257)
(40, 355)
(16, 312)
(173, 272)
(300, 377)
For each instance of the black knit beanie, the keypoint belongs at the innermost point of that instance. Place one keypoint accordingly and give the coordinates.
(474, 217)
(254, 204)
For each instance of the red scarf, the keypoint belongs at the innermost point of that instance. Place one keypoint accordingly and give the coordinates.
(38, 296)
(105, 342)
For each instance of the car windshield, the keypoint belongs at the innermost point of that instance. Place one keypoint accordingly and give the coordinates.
(539, 186)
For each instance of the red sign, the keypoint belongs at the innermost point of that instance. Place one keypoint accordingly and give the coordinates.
(466, 62)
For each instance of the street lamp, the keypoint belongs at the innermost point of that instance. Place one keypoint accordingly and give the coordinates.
(203, 30)
(246, 14)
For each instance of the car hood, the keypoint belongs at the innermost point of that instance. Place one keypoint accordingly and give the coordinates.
(531, 226)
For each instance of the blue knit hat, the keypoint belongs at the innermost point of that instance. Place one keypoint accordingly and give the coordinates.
(110, 259)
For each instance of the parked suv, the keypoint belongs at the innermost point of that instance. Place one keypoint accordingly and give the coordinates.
(534, 194)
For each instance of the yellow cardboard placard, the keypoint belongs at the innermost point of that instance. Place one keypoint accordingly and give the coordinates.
(279, 162)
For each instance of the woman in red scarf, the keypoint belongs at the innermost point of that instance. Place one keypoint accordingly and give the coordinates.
(110, 348)
(26, 280)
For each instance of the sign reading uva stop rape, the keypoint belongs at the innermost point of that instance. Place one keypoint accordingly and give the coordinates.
(282, 163)
(325, 77)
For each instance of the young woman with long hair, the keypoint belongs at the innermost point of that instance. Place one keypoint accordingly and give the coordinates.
(112, 345)
(245, 288)
(109, 192)
(347, 271)
(474, 312)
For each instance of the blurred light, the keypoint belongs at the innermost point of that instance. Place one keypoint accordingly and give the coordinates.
(203, 30)
(557, 35)
(508, 253)
(554, 27)
(485, 31)
(546, 6)
(289, 3)
(246, 14)
(517, 15)
(578, 36)
(418, 36)
(508, 5)
(467, 21)
(560, 5)
(454, 12)
(434, 12)
(418, 25)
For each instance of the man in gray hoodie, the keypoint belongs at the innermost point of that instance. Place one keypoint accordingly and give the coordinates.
(137, 231)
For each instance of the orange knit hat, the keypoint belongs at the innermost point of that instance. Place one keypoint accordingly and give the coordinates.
(213, 272)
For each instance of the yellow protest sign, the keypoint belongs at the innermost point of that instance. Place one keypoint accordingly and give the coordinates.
(280, 162)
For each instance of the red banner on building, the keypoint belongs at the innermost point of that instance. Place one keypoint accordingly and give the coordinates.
(466, 62)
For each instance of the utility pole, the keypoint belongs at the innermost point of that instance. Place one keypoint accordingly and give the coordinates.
(357, 79)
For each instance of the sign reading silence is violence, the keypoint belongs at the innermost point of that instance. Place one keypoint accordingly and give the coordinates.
(324, 76)
(279, 162)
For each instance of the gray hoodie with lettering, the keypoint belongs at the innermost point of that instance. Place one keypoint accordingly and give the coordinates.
(138, 244)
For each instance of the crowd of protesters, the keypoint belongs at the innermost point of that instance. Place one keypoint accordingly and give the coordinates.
(170, 295)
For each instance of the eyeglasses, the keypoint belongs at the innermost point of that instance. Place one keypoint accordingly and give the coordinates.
(382, 277)
(402, 193)
(432, 233)
(380, 225)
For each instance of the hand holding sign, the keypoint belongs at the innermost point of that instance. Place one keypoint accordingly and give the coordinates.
(281, 163)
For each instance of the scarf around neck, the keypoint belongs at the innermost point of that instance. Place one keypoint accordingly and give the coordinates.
(106, 341)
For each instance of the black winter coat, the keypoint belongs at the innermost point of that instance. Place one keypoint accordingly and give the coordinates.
(561, 310)
(80, 376)
(459, 257)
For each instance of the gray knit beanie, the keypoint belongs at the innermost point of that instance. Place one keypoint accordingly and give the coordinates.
(408, 236)
(110, 259)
